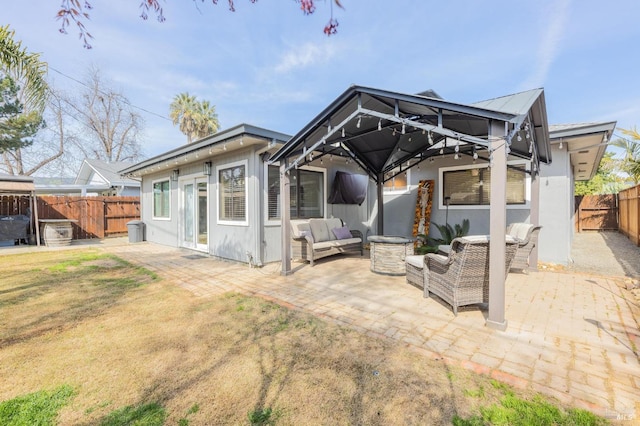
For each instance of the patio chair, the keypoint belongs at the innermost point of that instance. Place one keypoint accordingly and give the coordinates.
(462, 277)
(528, 236)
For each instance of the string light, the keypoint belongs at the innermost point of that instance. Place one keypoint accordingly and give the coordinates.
(430, 139)
(343, 132)
(380, 124)
(358, 123)
(560, 146)
(403, 129)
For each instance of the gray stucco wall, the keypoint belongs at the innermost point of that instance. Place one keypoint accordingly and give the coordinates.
(556, 209)
(400, 207)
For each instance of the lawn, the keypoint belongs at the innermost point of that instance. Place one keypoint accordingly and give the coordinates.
(87, 338)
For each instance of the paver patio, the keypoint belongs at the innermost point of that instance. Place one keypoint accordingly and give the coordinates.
(570, 335)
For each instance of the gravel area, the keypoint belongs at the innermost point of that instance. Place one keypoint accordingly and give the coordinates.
(605, 253)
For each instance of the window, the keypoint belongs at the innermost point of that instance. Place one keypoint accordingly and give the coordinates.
(232, 194)
(398, 182)
(273, 193)
(161, 199)
(472, 186)
(306, 192)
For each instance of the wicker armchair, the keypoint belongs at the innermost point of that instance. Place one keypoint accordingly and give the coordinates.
(528, 236)
(462, 277)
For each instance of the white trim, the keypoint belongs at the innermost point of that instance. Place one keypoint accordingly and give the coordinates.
(247, 208)
(527, 187)
(153, 199)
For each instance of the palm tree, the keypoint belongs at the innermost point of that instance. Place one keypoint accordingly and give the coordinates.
(206, 120)
(183, 111)
(24, 67)
(631, 147)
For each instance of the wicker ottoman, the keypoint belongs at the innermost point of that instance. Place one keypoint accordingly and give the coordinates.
(415, 270)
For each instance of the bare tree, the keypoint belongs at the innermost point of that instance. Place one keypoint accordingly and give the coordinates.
(112, 125)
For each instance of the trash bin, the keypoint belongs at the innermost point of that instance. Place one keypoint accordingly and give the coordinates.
(135, 229)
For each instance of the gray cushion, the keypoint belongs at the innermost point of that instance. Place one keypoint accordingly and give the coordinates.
(320, 230)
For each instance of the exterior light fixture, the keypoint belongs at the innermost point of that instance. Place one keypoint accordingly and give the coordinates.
(560, 146)
(206, 168)
(174, 175)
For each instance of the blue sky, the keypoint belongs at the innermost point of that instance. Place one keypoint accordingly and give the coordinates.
(269, 65)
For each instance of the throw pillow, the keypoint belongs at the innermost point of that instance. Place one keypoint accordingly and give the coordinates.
(342, 233)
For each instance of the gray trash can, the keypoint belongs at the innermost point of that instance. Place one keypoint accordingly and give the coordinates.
(135, 228)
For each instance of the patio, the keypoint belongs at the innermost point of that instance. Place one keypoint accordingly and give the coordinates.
(573, 336)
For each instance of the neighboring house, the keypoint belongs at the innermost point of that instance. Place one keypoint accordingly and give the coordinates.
(95, 178)
(221, 195)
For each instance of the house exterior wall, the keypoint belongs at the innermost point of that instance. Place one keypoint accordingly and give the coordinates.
(400, 206)
(232, 242)
(556, 209)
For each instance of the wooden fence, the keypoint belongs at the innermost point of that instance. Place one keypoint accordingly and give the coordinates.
(629, 200)
(596, 212)
(97, 217)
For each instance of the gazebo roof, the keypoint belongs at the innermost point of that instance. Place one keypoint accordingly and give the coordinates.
(383, 130)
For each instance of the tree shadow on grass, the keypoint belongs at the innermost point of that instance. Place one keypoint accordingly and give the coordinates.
(282, 349)
(54, 301)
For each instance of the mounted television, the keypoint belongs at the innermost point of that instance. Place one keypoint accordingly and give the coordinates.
(348, 189)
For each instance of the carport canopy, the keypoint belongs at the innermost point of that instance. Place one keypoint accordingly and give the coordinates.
(386, 133)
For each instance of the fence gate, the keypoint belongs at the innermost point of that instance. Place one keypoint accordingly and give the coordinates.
(596, 212)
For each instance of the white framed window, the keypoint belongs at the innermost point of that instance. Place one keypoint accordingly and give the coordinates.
(399, 184)
(272, 196)
(307, 193)
(469, 187)
(233, 194)
(161, 199)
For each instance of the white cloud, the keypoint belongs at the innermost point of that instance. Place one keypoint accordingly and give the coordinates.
(306, 55)
(557, 16)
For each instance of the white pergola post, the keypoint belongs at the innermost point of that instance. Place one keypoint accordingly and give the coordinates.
(497, 226)
(285, 219)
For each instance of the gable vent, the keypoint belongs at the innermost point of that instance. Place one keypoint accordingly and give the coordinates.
(583, 152)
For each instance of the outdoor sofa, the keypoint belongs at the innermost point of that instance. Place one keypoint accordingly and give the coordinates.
(461, 277)
(528, 236)
(314, 239)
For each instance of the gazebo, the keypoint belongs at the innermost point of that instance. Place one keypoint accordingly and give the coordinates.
(21, 186)
(387, 133)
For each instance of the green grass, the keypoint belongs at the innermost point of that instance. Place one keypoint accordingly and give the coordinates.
(262, 417)
(38, 408)
(514, 411)
(152, 414)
